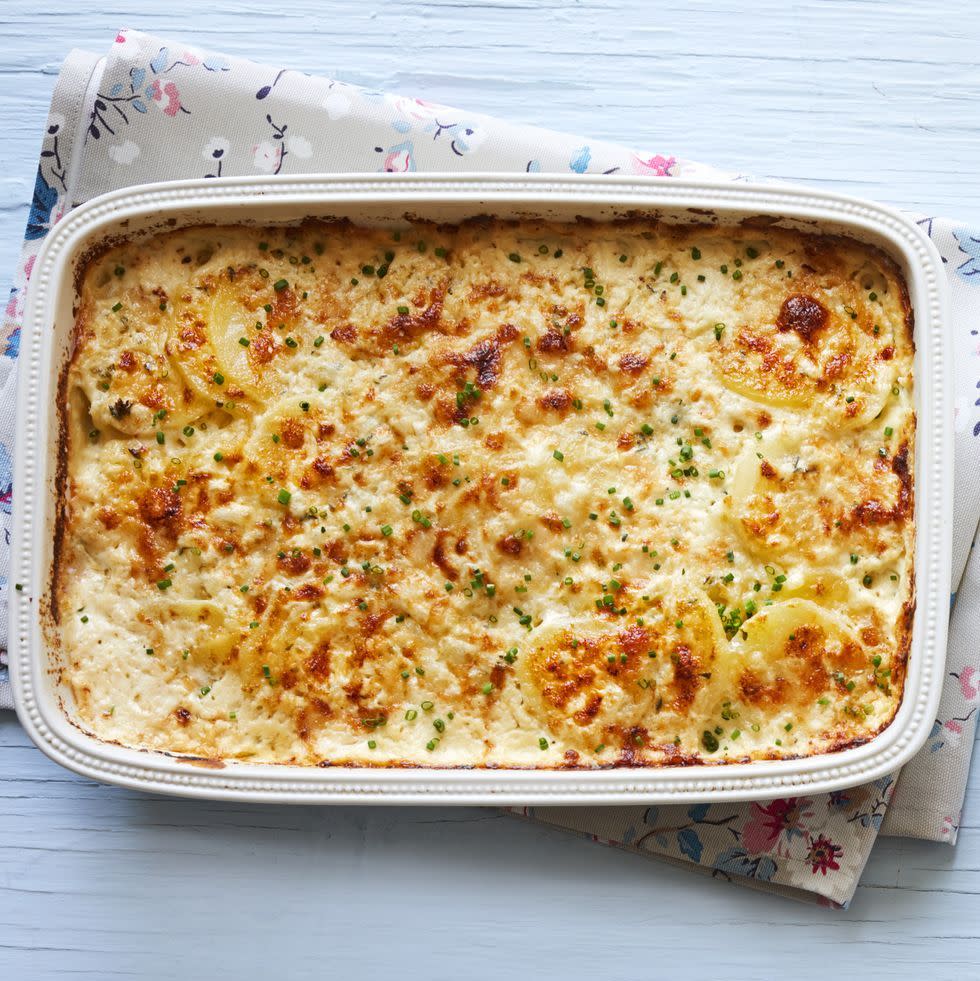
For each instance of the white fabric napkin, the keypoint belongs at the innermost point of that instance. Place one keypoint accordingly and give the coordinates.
(155, 110)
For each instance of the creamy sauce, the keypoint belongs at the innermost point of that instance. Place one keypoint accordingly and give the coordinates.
(501, 494)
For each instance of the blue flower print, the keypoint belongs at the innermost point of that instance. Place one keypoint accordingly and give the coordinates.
(42, 204)
(579, 164)
(464, 136)
(6, 481)
(969, 242)
(736, 861)
(689, 843)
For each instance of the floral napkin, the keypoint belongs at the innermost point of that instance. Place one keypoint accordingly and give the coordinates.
(154, 110)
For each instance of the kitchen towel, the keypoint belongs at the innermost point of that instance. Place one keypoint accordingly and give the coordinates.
(155, 110)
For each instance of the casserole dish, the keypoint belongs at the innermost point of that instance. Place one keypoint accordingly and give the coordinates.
(44, 700)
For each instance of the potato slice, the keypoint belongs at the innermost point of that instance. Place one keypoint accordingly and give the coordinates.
(811, 350)
(205, 634)
(601, 681)
(127, 393)
(794, 653)
(228, 323)
(795, 499)
(190, 350)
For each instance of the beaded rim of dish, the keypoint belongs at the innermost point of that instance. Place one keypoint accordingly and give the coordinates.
(170, 773)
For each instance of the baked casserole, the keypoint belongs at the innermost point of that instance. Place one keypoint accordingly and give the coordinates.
(497, 494)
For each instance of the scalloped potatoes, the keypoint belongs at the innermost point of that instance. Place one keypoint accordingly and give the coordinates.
(498, 494)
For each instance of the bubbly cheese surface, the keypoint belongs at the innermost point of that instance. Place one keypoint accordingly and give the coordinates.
(498, 494)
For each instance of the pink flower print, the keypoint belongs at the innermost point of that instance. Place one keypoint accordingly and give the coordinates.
(398, 162)
(190, 59)
(173, 99)
(169, 90)
(398, 159)
(968, 685)
(823, 855)
(656, 166)
(954, 732)
(775, 823)
(267, 156)
(417, 110)
(126, 49)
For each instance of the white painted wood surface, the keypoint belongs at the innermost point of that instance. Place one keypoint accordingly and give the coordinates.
(874, 98)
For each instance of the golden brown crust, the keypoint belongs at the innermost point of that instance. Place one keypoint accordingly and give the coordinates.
(639, 493)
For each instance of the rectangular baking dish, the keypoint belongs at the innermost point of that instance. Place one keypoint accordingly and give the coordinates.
(44, 706)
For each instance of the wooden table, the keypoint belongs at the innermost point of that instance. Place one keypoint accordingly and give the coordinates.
(879, 99)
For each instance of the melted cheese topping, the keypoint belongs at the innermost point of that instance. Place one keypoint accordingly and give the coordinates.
(502, 494)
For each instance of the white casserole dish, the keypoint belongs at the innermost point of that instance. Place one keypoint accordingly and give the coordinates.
(44, 706)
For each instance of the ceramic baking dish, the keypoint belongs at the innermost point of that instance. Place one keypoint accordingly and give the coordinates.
(45, 707)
